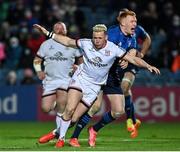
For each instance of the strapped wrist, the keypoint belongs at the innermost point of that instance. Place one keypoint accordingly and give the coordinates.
(50, 34)
(37, 66)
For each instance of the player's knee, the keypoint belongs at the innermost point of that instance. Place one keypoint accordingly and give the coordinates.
(94, 109)
(46, 109)
(69, 111)
(126, 86)
(117, 114)
(125, 89)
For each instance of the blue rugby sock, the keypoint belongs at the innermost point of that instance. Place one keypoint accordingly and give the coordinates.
(106, 119)
(133, 113)
(128, 106)
(83, 121)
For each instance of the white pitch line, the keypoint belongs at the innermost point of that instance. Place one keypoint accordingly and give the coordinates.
(124, 140)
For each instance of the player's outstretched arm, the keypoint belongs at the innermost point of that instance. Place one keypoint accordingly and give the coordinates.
(59, 38)
(145, 45)
(141, 63)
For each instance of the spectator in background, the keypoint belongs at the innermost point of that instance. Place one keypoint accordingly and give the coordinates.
(28, 77)
(34, 41)
(26, 59)
(4, 5)
(11, 79)
(149, 16)
(29, 19)
(14, 52)
(2, 53)
(176, 62)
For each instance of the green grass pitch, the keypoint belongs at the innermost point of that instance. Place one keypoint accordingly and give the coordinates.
(23, 136)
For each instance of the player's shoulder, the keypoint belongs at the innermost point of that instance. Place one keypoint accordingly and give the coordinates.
(85, 41)
(111, 44)
(47, 42)
(140, 28)
(113, 28)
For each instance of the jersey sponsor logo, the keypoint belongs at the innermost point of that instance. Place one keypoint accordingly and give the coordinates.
(51, 47)
(58, 57)
(91, 50)
(107, 53)
(129, 44)
(97, 62)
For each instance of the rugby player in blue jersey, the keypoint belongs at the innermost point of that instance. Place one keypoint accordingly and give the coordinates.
(141, 46)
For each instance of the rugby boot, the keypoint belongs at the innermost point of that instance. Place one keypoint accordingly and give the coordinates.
(137, 124)
(46, 138)
(129, 125)
(134, 132)
(74, 142)
(92, 137)
(60, 143)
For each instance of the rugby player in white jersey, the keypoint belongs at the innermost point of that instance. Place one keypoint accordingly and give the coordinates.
(58, 61)
(98, 56)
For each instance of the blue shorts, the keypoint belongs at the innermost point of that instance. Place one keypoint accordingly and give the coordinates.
(120, 72)
(112, 86)
(131, 68)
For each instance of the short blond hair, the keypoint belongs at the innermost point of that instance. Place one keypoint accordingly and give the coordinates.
(100, 28)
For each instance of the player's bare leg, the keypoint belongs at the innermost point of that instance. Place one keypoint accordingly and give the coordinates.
(74, 96)
(47, 106)
(84, 119)
(61, 98)
(126, 85)
(117, 109)
(80, 110)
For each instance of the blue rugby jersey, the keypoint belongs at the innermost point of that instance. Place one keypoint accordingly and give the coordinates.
(126, 43)
(116, 36)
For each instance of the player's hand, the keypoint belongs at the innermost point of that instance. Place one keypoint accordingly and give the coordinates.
(74, 68)
(41, 75)
(154, 69)
(123, 63)
(41, 29)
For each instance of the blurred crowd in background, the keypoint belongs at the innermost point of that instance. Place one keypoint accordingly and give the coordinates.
(19, 42)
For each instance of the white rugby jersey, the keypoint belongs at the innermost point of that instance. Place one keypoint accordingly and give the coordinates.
(58, 59)
(97, 62)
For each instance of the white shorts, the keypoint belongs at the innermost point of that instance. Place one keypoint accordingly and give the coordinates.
(90, 91)
(50, 87)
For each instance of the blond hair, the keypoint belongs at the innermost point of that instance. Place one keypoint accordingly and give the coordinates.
(100, 28)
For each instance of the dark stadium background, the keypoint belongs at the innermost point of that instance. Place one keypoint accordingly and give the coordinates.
(157, 98)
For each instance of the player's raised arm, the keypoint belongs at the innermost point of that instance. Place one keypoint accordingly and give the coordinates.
(145, 45)
(59, 38)
(141, 63)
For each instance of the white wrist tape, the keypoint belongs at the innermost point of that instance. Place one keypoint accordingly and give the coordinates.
(37, 66)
